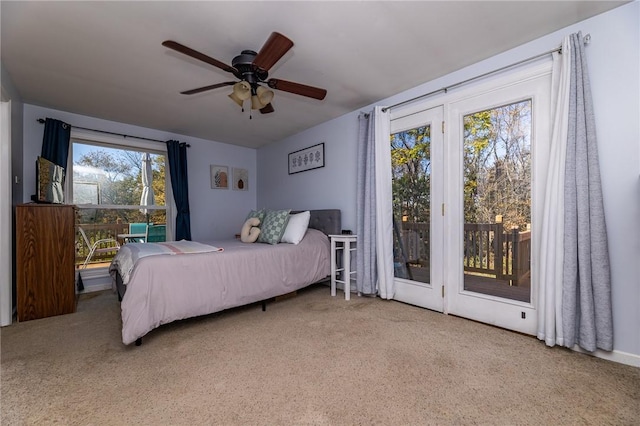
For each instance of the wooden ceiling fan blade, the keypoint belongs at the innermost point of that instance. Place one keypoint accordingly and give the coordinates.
(197, 55)
(297, 88)
(273, 49)
(267, 109)
(205, 88)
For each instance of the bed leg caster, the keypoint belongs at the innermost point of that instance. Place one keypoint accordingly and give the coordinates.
(264, 306)
(139, 341)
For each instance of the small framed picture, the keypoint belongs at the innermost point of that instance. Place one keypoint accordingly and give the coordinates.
(219, 177)
(306, 159)
(240, 179)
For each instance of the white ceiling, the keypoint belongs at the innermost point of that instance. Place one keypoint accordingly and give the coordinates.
(105, 59)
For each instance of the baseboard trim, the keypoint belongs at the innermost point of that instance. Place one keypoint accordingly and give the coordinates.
(615, 356)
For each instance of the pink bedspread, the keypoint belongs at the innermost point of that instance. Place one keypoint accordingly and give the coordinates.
(129, 254)
(166, 288)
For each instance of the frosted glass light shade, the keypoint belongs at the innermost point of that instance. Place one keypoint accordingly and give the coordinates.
(255, 102)
(242, 90)
(264, 95)
(236, 99)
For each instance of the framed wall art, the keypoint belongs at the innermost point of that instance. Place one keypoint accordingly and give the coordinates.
(306, 159)
(240, 179)
(219, 177)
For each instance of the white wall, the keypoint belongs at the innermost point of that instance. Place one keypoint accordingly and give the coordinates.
(329, 187)
(614, 65)
(215, 213)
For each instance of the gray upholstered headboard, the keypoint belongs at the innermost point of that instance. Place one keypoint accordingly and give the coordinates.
(328, 221)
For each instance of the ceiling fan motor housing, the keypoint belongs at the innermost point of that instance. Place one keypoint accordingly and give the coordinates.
(246, 69)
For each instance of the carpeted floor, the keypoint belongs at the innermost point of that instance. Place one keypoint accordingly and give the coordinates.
(311, 359)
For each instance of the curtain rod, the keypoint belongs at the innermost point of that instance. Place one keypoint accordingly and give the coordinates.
(42, 121)
(445, 89)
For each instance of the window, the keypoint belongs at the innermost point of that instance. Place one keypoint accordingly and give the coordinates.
(116, 185)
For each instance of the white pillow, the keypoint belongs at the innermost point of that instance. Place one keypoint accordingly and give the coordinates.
(296, 228)
(250, 231)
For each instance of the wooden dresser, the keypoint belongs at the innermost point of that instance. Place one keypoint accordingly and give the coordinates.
(45, 260)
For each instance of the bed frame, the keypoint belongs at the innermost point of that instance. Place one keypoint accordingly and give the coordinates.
(328, 221)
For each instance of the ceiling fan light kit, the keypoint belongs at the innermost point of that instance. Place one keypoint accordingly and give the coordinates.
(237, 100)
(252, 69)
(265, 96)
(242, 90)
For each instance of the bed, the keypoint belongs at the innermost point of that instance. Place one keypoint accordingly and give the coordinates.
(212, 276)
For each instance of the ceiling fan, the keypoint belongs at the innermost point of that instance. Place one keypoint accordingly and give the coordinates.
(252, 69)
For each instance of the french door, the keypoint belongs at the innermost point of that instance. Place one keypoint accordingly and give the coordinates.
(496, 145)
(465, 198)
(417, 173)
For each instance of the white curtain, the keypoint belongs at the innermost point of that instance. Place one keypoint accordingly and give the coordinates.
(374, 257)
(551, 229)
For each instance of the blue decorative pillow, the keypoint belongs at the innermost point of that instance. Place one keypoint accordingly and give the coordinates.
(260, 214)
(273, 226)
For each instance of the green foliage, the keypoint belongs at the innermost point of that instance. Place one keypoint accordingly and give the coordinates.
(411, 171)
(478, 132)
(497, 165)
(118, 176)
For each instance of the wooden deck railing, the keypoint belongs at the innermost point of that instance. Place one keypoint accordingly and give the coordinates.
(488, 249)
(94, 233)
(416, 242)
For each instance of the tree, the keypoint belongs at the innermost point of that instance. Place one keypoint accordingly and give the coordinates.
(497, 165)
(118, 179)
(159, 187)
(411, 172)
(478, 133)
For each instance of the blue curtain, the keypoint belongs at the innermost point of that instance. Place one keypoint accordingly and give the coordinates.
(55, 142)
(177, 154)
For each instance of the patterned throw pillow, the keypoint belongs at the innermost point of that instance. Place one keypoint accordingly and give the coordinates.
(260, 214)
(273, 226)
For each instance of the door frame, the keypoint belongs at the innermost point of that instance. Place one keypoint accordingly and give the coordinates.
(451, 255)
(536, 82)
(6, 210)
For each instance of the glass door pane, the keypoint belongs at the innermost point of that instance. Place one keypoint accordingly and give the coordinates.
(416, 145)
(411, 174)
(497, 201)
